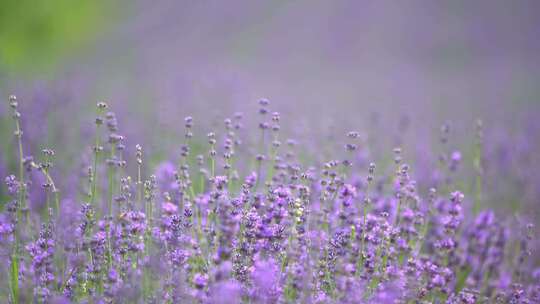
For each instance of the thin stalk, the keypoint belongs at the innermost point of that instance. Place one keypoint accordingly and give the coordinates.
(14, 271)
(423, 232)
(54, 190)
(379, 253)
(22, 192)
(478, 168)
(273, 155)
(110, 204)
(398, 211)
(259, 162)
(97, 149)
(139, 184)
(111, 181)
(146, 281)
(212, 159)
(364, 228)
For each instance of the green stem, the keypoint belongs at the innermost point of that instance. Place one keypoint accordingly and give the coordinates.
(273, 155)
(22, 192)
(14, 272)
(212, 163)
(110, 205)
(14, 282)
(111, 181)
(364, 228)
(478, 167)
(95, 165)
(139, 184)
(259, 162)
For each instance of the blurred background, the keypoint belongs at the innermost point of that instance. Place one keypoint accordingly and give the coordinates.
(394, 70)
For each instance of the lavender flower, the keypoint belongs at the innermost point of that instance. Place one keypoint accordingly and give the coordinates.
(274, 224)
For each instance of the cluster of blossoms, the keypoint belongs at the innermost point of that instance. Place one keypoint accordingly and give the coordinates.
(242, 223)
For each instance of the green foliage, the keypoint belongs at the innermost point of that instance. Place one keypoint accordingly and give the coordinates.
(14, 278)
(36, 34)
(462, 275)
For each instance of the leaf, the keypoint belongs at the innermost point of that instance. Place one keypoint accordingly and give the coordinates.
(462, 277)
(15, 278)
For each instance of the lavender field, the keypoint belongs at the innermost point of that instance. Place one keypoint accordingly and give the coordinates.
(270, 152)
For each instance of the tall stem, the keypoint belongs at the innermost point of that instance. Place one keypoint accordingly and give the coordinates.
(259, 159)
(14, 271)
(111, 181)
(478, 168)
(97, 149)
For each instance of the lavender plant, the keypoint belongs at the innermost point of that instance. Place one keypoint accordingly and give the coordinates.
(235, 222)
